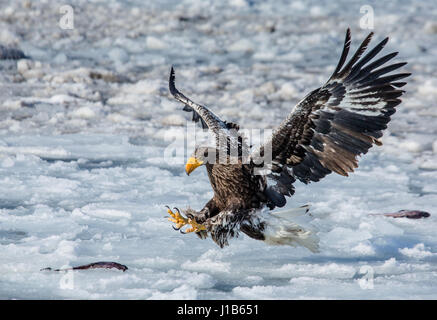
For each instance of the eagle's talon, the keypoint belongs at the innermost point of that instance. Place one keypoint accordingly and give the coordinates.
(180, 221)
(177, 218)
(195, 227)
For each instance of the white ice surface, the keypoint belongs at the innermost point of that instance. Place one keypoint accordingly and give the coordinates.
(84, 128)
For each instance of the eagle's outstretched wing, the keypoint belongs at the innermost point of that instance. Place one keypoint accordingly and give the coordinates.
(200, 113)
(337, 122)
(226, 133)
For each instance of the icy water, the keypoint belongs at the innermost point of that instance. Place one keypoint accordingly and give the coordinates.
(84, 128)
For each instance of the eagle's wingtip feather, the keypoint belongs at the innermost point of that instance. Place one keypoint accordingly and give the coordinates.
(171, 82)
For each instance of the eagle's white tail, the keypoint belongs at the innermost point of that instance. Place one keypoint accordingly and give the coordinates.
(282, 229)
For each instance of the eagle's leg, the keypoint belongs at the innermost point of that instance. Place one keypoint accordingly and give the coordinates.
(198, 216)
(199, 219)
(181, 221)
(195, 227)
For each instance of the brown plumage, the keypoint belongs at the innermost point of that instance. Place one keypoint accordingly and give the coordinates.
(324, 133)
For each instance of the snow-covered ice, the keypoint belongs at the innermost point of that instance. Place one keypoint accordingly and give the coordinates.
(85, 123)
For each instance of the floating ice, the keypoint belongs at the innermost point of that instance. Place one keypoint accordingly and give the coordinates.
(83, 131)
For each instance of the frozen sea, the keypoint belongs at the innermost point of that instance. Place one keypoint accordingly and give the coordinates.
(85, 123)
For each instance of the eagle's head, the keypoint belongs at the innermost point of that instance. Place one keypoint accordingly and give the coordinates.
(200, 156)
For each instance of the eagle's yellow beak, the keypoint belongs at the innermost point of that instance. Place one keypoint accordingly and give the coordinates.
(192, 164)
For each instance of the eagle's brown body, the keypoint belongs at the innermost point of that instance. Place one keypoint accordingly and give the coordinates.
(235, 187)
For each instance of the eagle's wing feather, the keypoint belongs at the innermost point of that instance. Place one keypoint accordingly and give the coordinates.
(337, 122)
(227, 135)
(200, 113)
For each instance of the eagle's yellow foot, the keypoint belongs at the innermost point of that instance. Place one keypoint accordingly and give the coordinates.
(177, 218)
(181, 221)
(195, 227)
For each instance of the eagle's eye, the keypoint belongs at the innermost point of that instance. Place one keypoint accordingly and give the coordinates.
(205, 154)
